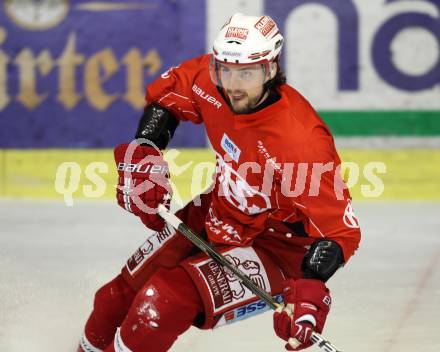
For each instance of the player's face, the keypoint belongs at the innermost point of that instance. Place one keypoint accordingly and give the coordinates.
(243, 85)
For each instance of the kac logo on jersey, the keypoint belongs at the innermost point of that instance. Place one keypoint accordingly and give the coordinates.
(229, 147)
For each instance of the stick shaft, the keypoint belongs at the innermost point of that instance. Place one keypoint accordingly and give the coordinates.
(178, 224)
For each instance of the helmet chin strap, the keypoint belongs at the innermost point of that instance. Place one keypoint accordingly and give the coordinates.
(266, 88)
(264, 94)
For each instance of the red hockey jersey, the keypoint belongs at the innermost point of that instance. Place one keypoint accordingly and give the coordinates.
(277, 163)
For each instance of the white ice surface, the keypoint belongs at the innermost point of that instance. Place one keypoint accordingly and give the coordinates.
(53, 258)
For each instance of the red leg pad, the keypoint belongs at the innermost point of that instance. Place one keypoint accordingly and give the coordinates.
(163, 309)
(110, 306)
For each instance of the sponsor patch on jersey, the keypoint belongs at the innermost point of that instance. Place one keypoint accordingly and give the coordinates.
(237, 32)
(229, 147)
(246, 311)
(209, 98)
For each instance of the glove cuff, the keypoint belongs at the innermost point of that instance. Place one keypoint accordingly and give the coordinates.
(308, 290)
(137, 151)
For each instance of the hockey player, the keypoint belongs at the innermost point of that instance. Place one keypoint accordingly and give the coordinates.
(278, 208)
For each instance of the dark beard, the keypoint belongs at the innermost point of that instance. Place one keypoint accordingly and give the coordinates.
(249, 108)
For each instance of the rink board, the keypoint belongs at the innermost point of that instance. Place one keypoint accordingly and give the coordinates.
(411, 174)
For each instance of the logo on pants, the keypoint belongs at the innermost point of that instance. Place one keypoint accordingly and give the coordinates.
(148, 248)
(225, 289)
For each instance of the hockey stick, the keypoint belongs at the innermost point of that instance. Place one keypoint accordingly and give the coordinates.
(178, 224)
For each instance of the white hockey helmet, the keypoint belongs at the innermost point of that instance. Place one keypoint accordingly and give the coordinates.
(246, 40)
